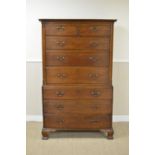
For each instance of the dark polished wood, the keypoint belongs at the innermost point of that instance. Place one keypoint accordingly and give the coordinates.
(74, 29)
(78, 106)
(61, 29)
(77, 43)
(77, 90)
(78, 20)
(102, 30)
(77, 75)
(85, 121)
(84, 58)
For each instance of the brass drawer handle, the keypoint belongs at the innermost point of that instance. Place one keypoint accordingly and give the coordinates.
(60, 43)
(94, 121)
(93, 28)
(60, 58)
(61, 75)
(93, 75)
(60, 107)
(60, 28)
(60, 121)
(93, 44)
(60, 93)
(94, 59)
(94, 107)
(95, 93)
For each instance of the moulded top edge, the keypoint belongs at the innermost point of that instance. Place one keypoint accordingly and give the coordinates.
(110, 20)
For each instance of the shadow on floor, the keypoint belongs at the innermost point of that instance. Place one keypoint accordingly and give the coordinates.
(81, 134)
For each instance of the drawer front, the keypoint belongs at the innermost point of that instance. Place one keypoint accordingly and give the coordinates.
(76, 92)
(77, 75)
(77, 43)
(95, 30)
(61, 29)
(76, 59)
(77, 107)
(77, 121)
(76, 29)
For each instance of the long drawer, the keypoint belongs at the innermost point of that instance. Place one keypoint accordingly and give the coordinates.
(77, 92)
(77, 75)
(75, 121)
(77, 107)
(64, 58)
(77, 43)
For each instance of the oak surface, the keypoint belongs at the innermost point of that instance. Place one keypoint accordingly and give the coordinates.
(77, 91)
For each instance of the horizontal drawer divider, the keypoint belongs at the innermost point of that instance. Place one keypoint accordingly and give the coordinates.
(78, 67)
(86, 36)
(91, 51)
(74, 49)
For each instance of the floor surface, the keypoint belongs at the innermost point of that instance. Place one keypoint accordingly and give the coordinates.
(77, 143)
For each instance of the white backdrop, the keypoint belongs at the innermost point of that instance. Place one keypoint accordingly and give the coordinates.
(114, 9)
(108, 9)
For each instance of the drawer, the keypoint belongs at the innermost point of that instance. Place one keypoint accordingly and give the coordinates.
(76, 121)
(77, 107)
(77, 75)
(77, 92)
(60, 29)
(95, 30)
(76, 59)
(74, 29)
(77, 43)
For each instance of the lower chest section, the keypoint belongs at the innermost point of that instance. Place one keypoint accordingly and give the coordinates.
(77, 107)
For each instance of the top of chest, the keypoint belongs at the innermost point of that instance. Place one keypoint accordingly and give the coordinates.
(77, 27)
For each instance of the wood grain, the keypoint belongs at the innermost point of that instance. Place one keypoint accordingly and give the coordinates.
(63, 58)
(78, 106)
(77, 92)
(77, 75)
(74, 29)
(75, 121)
(77, 43)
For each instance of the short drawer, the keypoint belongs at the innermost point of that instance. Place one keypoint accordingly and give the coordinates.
(77, 75)
(77, 43)
(77, 107)
(61, 29)
(77, 121)
(95, 30)
(64, 58)
(77, 92)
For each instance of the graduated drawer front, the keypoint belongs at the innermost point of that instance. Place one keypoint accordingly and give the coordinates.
(77, 43)
(60, 29)
(95, 30)
(64, 58)
(77, 75)
(76, 121)
(76, 92)
(77, 107)
(74, 29)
